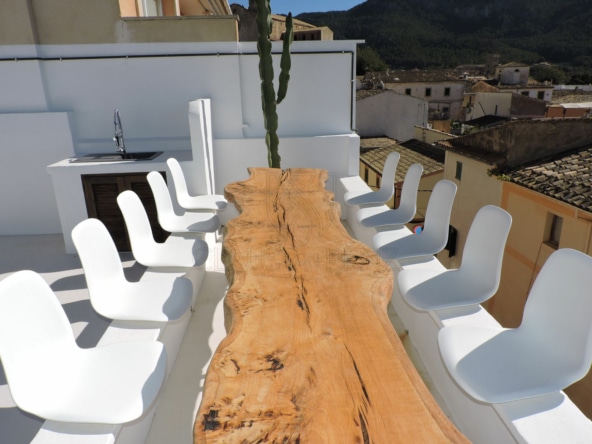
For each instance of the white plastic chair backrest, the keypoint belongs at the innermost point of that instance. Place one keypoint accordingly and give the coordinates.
(387, 181)
(408, 203)
(558, 312)
(136, 222)
(162, 197)
(100, 259)
(437, 217)
(178, 176)
(483, 252)
(33, 328)
(97, 251)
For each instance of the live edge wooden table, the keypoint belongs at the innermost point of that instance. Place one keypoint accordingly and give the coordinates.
(310, 355)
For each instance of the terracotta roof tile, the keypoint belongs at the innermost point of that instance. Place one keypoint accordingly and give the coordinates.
(375, 150)
(567, 178)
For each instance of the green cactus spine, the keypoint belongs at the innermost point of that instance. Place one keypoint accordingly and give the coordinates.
(269, 101)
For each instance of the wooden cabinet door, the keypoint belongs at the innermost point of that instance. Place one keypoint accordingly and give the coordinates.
(101, 191)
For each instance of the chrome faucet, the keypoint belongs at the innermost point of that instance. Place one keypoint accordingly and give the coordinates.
(118, 139)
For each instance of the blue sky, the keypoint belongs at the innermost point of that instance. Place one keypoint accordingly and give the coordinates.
(299, 6)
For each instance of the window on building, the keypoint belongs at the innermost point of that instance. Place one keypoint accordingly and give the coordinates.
(458, 173)
(366, 173)
(525, 93)
(553, 235)
(541, 95)
(428, 92)
(446, 92)
(151, 8)
(408, 91)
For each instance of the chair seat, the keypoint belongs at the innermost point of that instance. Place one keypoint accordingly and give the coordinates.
(213, 202)
(549, 351)
(424, 288)
(179, 250)
(385, 237)
(387, 188)
(499, 365)
(169, 219)
(399, 243)
(111, 384)
(410, 246)
(160, 298)
(379, 216)
(50, 376)
(192, 222)
(476, 280)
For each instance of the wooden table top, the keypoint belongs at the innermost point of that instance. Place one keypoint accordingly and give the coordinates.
(310, 355)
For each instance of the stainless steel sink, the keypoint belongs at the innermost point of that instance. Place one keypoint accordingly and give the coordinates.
(117, 157)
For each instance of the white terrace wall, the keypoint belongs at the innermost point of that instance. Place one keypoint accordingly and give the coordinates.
(58, 101)
(390, 114)
(494, 104)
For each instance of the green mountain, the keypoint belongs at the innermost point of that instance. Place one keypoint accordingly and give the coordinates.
(411, 34)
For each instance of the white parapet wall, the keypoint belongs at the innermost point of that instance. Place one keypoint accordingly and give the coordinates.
(547, 419)
(58, 102)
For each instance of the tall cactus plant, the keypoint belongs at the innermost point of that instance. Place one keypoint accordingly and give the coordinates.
(269, 101)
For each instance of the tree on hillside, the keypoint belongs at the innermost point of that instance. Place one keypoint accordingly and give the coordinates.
(368, 60)
(548, 73)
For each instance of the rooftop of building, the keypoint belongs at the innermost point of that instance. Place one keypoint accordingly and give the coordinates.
(571, 96)
(416, 75)
(557, 164)
(487, 121)
(566, 177)
(375, 150)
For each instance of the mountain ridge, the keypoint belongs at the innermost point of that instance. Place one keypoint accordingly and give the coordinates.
(425, 34)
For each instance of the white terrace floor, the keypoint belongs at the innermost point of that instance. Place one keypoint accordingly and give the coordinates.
(173, 422)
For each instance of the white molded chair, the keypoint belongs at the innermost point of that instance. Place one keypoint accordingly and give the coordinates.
(214, 202)
(401, 244)
(476, 280)
(161, 298)
(549, 351)
(379, 215)
(188, 222)
(387, 185)
(51, 377)
(177, 251)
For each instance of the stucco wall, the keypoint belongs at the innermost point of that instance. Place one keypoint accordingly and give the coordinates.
(65, 22)
(16, 25)
(526, 140)
(430, 136)
(523, 106)
(475, 189)
(437, 99)
(513, 75)
(152, 90)
(489, 103)
(390, 114)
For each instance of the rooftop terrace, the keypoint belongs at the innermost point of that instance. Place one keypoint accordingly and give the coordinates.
(551, 418)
